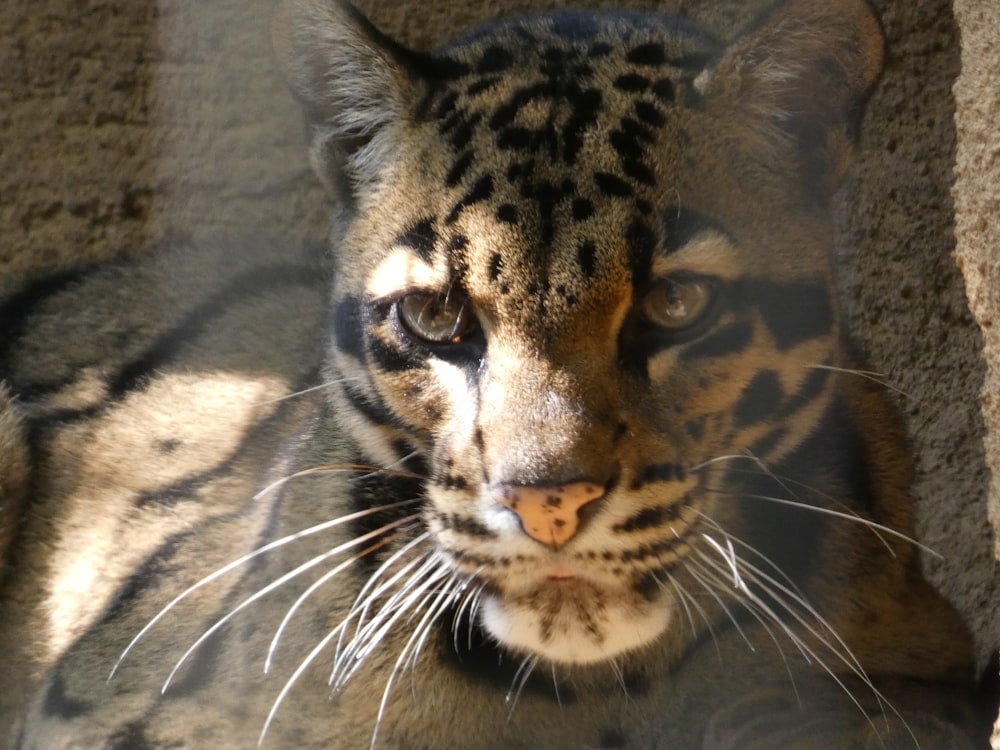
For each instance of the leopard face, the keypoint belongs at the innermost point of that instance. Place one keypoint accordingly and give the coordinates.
(581, 279)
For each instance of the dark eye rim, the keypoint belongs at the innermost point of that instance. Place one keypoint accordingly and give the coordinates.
(700, 324)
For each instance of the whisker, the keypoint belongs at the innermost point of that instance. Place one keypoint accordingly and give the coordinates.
(414, 643)
(331, 469)
(336, 570)
(785, 598)
(293, 679)
(371, 593)
(280, 582)
(305, 391)
(374, 633)
(879, 378)
(847, 515)
(524, 671)
(324, 526)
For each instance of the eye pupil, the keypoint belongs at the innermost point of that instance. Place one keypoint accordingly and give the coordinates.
(436, 318)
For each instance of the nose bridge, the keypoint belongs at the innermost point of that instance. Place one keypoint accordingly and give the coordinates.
(541, 422)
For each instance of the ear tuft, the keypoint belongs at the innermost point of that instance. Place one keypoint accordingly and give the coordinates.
(352, 81)
(801, 78)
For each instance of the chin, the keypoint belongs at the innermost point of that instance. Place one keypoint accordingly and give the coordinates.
(575, 621)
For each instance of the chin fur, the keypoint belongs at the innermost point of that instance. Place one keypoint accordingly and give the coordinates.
(574, 622)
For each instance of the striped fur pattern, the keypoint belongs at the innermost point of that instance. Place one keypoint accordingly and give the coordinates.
(561, 446)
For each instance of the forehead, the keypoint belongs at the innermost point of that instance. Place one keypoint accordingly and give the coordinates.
(548, 141)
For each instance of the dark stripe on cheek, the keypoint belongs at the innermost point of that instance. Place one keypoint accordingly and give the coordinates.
(808, 391)
(792, 311)
(370, 406)
(760, 399)
(732, 339)
(390, 358)
(348, 331)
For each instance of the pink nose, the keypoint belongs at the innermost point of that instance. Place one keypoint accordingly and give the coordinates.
(549, 515)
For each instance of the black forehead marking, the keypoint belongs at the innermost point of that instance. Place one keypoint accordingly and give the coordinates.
(481, 191)
(420, 237)
(681, 225)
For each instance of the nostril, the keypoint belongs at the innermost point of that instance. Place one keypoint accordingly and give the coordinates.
(549, 513)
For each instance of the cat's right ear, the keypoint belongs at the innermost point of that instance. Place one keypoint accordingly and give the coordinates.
(354, 84)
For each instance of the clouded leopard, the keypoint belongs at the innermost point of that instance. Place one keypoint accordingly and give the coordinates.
(559, 444)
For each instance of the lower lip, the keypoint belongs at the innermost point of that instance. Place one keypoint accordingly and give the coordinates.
(561, 573)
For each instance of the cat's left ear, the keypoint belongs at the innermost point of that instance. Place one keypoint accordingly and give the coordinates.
(355, 84)
(800, 79)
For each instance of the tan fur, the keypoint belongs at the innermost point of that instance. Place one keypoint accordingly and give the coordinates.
(232, 408)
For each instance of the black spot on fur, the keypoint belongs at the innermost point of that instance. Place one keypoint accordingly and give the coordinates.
(507, 213)
(631, 82)
(481, 191)
(463, 130)
(627, 145)
(612, 186)
(586, 255)
(650, 114)
(760, 399)
(663, 90)
(586, 106)
(494, 60)
(651, 54)
(695, 428)
(496, 265)
(582, 209)
(639, 172)
(459, 169)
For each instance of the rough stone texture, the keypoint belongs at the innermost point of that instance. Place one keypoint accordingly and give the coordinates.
(976, 193)
(124, 122)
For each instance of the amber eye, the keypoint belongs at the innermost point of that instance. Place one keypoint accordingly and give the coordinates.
(437, 318)
(677, 303)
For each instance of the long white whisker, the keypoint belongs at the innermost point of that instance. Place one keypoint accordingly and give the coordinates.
(847, 515)
(366, 597)
(245, 559)
(878, 378)
(364, 601)
(413, 645)
(838, 648)
(290, 682)
(372, 637)
(305, 391)
(517, 685)
(277, 583)
(335, 571)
